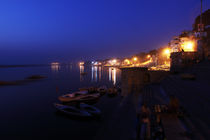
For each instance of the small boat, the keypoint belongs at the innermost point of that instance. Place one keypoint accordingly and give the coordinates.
(92, 90)
(112, 92)
(80, 98)
(72, 111)
(90, 109)
(72, 95)
(102, 90)
(90, 98)
(89, 89)
(84, 88)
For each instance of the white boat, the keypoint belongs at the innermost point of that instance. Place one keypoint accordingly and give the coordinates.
(90, 109)
(72, 111)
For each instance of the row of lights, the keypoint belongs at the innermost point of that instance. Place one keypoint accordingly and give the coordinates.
(188, 46)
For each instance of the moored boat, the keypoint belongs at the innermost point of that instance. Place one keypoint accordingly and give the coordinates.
(90, 109)
(90, 98)
(72, 111)
(80, 98)
(89, 89)
(72, 95)
(112, 92)
(102, 90)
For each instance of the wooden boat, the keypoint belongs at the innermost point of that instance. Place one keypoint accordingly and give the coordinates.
(79, 98)
(72, 111)
(89, 89)
(84, 88)
(90, 109)
(90, 98)
(112, 92)
(102, 90)
(72, 95)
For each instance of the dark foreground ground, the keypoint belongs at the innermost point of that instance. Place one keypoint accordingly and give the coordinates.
(194, 97)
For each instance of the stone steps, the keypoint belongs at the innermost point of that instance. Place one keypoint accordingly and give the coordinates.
(173, 86)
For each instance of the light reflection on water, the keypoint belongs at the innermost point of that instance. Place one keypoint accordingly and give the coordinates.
(113, 74)
(81, 69)
(94, 73)
(110, 74)
(99, 71)
(97, 74)
(55, 67)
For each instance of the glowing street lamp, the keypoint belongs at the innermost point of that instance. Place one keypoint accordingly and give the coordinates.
(135, 59)
(81, 63)
(114, 61)
(127, 61)
(148, 56)
(167, 52)
(188, 46)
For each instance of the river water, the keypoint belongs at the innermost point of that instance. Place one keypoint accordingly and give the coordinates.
(27, 110)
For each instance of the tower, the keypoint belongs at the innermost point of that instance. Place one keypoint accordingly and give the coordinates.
(201, 25)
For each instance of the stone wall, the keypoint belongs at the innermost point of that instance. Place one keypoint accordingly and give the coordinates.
(183, 60)
(134, 79)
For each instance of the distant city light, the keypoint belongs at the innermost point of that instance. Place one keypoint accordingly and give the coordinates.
(114, 61)
(167, 52)
(81, 63)
(127, 61)
(148, 56)
(55, 63)
(135, 59)
(188, 46)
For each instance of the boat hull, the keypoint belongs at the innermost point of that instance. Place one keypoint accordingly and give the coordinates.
(72, 111)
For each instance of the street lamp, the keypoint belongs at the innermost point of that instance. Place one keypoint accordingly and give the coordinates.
(135, 59)
(127, 61)
(167, 52)
(188, 46)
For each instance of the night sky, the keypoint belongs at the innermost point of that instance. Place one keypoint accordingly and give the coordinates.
(42, 31)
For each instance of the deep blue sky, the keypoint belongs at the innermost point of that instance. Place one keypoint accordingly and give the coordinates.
(41, 31)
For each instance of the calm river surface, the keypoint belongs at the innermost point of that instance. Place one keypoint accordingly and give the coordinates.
(27, 110)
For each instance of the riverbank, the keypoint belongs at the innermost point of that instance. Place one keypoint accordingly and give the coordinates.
(193, 96)
(194, 99)
(20, 82)
(121, 123)
(29, 65)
